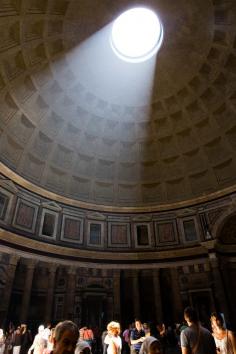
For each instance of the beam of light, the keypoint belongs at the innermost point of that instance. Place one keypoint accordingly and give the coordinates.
(101, 72)
(137, 35)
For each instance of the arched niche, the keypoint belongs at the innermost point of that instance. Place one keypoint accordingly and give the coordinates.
(227, 234)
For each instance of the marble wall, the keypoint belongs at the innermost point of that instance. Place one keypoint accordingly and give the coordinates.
(33, 216)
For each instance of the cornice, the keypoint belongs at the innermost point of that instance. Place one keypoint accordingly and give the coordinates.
(7, 172)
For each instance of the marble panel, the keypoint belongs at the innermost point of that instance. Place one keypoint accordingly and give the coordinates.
(166, 233)
(72, 229)
(119, 235)
(4, 200)
(25, 215)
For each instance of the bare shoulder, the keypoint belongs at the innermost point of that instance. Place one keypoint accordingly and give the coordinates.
(231, 334)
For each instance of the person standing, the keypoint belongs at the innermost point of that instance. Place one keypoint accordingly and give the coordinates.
(65, 338)
(113, 339)
(151, 345)
(196, 339)
(86, 334)
(17, 340)
(26, 339)
(224, 339)
(137, 336)
(2, 341)
(39, 342)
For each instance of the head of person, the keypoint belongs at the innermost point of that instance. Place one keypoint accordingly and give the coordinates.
(23, 327)
(51, 335)
(65, 337)
(41, 329)
(217, 321)
(113, 328)
(190, 315)
(82, 347)
(151, 346)
(155, 347)
(138, 324)
(18, 329)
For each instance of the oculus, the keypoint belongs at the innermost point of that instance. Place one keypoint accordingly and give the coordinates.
(136, 35)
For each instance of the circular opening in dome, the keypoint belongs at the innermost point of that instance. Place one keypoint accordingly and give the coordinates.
(137, 35)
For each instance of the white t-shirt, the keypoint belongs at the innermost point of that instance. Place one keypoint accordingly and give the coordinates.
(116, 340)
(224, 345)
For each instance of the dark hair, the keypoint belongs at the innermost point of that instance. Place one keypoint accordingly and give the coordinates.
(155, 346)
(61, 327)
(219, 319)
(191, 314)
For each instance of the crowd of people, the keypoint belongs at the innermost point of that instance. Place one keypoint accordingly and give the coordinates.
(190, 337)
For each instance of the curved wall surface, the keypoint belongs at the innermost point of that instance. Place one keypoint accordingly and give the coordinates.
(34, 223)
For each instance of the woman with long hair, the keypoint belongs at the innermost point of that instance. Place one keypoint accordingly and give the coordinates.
(224, 339)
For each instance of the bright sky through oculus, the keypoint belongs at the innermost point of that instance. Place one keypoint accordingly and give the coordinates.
(136, 35)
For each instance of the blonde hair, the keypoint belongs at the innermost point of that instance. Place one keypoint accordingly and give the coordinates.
(114, 328)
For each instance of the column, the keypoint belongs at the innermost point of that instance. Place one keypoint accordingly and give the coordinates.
(109, 308)
(9, 275)
(157, 295)
(176, 296)
(218, 286)
(70, 294)
(52, 268)
(226, 268)
(116, 294)
(30, 267)
(136, 295)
